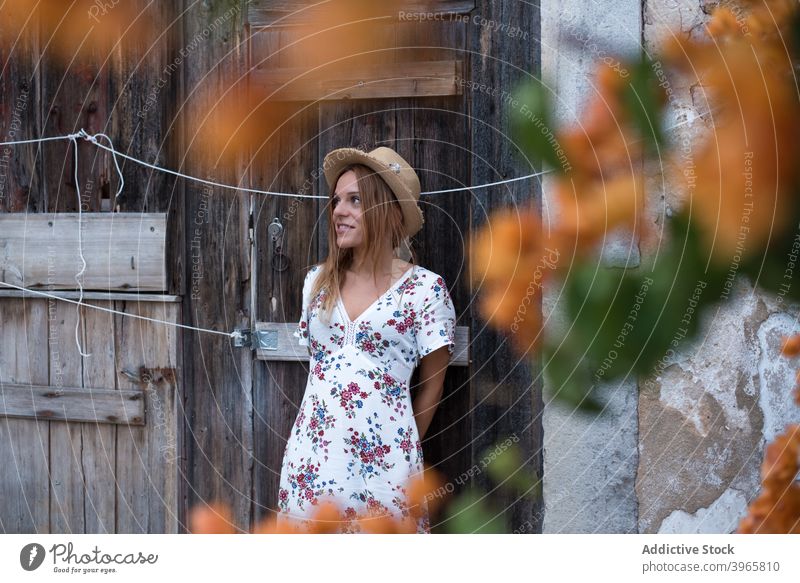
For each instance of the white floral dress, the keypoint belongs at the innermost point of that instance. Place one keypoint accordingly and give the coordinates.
(354, 441)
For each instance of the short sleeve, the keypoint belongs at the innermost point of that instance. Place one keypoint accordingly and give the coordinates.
(436, 319)
(301, 331)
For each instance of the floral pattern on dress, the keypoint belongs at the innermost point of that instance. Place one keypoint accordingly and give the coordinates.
(371, 341)
(320, 421)
(408, 443)
(393, 394)
(350, 398)
(306, 485)
(354, 437)
(368, 454)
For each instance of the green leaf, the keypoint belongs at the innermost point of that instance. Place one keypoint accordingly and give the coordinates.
(531, 124)
(507, 468)
(470, 514)
(643, 97)
(622, 322)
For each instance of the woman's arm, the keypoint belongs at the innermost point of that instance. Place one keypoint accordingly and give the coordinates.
(432, 369)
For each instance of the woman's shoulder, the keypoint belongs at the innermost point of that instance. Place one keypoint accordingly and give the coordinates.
(311, 274)
(425, 274)
(427, 284)
(314, 269)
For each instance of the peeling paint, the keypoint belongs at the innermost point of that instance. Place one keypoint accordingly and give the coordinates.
(777, 375)
(722, 516)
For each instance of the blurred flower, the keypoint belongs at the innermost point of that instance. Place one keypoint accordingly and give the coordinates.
(235, 122)
(791, 346)
(82, 28)
(338, 35)
(510, 258)
(604, 188)
(742, 181)
(777, 508)
(328, 517)
(214, 518)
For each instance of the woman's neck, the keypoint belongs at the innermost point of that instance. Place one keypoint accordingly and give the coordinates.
(362, 269)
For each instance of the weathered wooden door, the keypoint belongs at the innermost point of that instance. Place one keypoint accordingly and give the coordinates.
(87, 443)
(401, 84)
(401, 81)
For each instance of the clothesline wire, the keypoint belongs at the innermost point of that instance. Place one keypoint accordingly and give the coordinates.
(93, 139)
(109, 310)
(110, 148)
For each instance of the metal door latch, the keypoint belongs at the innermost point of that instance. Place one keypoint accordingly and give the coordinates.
(256, 339)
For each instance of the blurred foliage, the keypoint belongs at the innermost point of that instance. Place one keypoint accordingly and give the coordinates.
(469, 512)
(740, 217)
(738, 185)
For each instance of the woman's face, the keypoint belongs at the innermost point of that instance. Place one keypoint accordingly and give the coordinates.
(347, 211)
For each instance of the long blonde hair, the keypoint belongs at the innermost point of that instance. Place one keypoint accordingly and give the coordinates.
(382, 218)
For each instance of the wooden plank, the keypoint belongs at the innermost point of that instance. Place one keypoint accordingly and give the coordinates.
(271, 13)
(285, 162)
(99, 455)
(67, 494)
(91, 295)
(218, 379)
(288, 350)
(74, 94)
(123, 251)
(438, 129)
(20, 167)
(505, 393)
(390, 80)
(71, 404)
(24, 444)
(147, 457)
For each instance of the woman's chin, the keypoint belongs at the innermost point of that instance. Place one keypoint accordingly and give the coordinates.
(345, 242)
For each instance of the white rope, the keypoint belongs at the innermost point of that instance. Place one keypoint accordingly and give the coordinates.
(109, 310)
(80, 252)
(110, 148)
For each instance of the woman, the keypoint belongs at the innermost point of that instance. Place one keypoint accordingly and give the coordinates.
(368, 320)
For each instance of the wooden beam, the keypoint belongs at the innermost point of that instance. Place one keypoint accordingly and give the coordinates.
(50, 403)
(390, 80)
(123, 251)
(287, 13)
(289, 350)
(90, 295)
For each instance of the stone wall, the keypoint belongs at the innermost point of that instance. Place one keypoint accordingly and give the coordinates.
(679, 451)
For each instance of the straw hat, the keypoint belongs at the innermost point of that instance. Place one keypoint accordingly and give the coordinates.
(394, 170)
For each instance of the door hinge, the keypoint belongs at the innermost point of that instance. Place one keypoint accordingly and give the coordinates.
(256, 339)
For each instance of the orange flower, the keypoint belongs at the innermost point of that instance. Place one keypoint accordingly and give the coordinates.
(791, 346)
(214, 518)
(777, 508)
(422, 490)
(604, 188)
(83, 29)
(587, 215)
(271, 525)
(510, 259)
(327, 517)
(742, 181)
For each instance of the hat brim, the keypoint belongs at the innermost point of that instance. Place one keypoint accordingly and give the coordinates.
(340, 158)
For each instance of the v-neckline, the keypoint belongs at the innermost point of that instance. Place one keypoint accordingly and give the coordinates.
(402, 279)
